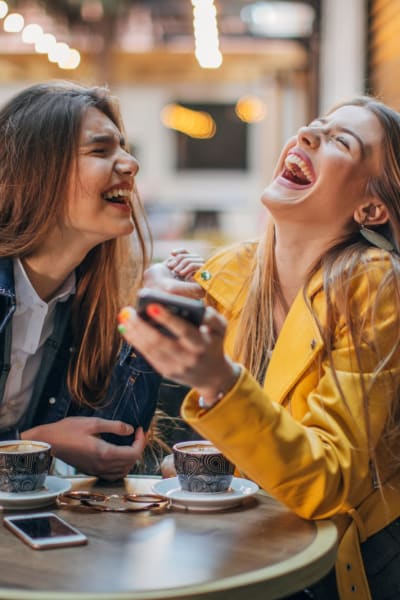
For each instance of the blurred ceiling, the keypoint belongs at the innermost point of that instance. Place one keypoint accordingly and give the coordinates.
(153, 41)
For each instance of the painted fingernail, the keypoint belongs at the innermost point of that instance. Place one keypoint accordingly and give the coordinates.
(153, 310)
(124, 315)
(121, 328)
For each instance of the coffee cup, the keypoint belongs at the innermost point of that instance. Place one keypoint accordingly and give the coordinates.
(201, 467)
(24, 465)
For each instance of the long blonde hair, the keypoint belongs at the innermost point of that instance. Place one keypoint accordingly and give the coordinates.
(39, 136)
(338, 265)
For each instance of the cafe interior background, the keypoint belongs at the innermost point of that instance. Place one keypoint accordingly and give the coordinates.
(209, 89)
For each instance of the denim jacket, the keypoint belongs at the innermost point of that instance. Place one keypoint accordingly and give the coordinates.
(133, 390)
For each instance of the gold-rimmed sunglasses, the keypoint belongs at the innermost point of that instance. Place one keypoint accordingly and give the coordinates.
(83, 499)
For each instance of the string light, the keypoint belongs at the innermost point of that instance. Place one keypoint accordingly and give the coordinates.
(32, 33)
(250, 109)
(206, 37)
(45, 43)
(71, 60)
(3, 9)
(194, 123)
(58, 52)
(13, 23)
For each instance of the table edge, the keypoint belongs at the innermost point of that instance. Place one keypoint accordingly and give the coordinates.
(315, 561)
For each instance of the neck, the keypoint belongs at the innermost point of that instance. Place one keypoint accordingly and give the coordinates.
(297, 249)
(47, 271)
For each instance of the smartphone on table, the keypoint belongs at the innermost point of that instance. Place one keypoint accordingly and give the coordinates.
(44, 530)
(186, 308)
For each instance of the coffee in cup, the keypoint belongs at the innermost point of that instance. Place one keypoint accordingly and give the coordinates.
(24, 465)
(201, 467)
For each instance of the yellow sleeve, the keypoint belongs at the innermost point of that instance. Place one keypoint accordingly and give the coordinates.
(311, 452)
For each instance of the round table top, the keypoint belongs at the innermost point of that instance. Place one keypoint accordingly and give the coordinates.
(256, 550)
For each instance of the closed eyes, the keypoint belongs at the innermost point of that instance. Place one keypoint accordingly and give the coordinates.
(342, 141)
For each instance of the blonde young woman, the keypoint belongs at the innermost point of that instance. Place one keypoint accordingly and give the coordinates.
(72, 252)
(301, 388)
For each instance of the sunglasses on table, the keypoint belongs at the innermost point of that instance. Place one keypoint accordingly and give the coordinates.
(83, 499)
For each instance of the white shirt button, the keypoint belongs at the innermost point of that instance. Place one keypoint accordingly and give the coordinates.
(52, 400)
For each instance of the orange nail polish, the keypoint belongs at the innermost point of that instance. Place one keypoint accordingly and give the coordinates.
(124, 315)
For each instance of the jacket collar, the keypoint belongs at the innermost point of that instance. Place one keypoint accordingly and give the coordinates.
(300, 326)
(227, 281)
(7, 278)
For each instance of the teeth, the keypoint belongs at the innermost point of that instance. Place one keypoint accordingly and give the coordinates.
(121, 193)
(294, 160)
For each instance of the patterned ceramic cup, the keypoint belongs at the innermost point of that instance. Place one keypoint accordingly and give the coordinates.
(24, 465)
(201, 467)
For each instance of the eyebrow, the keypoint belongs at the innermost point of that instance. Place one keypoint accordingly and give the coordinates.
(105, 138)
(363, 147)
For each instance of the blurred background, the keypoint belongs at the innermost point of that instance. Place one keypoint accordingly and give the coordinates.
(209, 89)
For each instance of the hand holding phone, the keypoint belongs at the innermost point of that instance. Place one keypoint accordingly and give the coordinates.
(44, 530)
(186, 308)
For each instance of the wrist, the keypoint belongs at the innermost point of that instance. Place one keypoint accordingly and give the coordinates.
(211, 396)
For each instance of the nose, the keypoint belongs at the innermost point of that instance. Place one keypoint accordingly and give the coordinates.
(309, 137)
(126, 164)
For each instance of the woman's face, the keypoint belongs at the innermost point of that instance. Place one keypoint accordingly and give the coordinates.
(101, 185)
(323, 172)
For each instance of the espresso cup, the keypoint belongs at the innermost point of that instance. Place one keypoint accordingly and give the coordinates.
(201, 467)
(24, 465)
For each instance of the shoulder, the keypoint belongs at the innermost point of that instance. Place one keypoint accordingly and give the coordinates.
(227, 273)
(366, 286)
(368, 270)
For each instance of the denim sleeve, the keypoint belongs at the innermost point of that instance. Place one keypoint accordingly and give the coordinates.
(131, 397)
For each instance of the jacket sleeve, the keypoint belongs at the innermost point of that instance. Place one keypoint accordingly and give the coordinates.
(311, 451)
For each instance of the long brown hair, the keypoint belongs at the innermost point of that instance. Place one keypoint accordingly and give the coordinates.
(339, 264)
(39, 137)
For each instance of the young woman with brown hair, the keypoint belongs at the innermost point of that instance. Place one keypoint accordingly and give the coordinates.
(301, 387)
(73, 248)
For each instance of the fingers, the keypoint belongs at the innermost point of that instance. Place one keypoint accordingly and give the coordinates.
(184, 265)
(195, 354)
(157, 276)
(167, 466)
(187, 333)
(214, 322)
(140, 441)
(98, 425)
(160, 277)
(184, 288)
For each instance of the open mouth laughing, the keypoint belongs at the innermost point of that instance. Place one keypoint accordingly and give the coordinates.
(118, 195)
(298, 171)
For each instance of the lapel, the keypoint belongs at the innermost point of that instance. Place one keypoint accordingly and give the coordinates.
(298, 344)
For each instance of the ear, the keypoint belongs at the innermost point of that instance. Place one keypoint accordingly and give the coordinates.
(371, 213)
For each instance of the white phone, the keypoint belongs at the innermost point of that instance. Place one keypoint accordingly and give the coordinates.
(44, 530)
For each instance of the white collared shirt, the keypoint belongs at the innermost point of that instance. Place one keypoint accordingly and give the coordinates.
(32, 325)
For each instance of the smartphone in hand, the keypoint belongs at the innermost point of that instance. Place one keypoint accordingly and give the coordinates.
(186, 308)
(44, 530)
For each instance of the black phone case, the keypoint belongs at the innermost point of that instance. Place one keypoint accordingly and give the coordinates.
(186, 308)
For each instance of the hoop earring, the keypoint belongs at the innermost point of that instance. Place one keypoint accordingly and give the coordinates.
(375, 238)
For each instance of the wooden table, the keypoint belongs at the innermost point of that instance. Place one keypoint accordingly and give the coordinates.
(258, 551)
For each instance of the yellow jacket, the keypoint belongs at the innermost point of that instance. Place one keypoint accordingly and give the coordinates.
(295, 436)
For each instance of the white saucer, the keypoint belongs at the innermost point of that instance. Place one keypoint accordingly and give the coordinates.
(53, 487)
(239, 490)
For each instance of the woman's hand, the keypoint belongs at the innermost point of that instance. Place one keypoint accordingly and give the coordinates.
(195, 357)
(167, 466)
(77, 441)
(184, 264)
(174, 275)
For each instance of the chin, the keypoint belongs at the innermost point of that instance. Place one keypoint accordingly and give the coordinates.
(272, 198)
